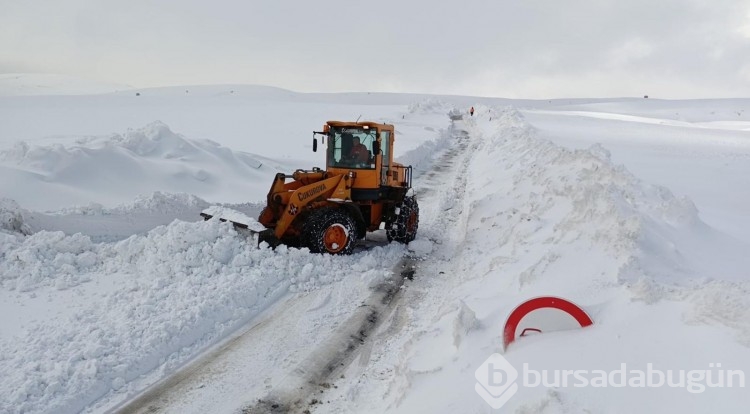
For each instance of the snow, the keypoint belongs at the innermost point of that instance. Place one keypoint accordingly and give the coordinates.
(11, 217)
(234, 216)
(550, 220)
(168, 293)
(30, 84)
(117, 168)
(110, 281)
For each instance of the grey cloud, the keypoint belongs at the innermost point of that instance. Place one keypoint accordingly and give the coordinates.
(507, 48)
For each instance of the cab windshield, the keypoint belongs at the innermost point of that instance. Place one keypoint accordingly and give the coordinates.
(351, 147)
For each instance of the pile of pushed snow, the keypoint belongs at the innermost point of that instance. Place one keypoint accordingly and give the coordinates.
(46, 259)
(144, 303)
(635, 234)
(11, 217)
(548, 220)
(116, 168)
(656, 230)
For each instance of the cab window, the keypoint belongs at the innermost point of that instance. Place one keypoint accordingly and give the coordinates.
(351, 148)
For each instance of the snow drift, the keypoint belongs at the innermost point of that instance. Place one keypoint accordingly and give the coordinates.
(117, 168)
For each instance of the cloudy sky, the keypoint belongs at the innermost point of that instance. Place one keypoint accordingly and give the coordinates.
(508, 48)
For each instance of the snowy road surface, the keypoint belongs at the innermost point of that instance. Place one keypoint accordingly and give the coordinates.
(634, 209)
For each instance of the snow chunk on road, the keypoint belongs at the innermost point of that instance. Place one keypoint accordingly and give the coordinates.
(420, 247)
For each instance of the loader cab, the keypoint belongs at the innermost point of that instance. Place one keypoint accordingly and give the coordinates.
(376, 170)
(360, 148)
(352, 147)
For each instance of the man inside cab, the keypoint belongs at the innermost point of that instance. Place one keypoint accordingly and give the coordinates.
(359, 153)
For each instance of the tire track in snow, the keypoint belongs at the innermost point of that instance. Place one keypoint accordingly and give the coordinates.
(324, 365)
(441, 193)
(444, 187)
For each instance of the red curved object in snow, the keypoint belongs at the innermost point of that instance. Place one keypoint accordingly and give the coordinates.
(539, 303)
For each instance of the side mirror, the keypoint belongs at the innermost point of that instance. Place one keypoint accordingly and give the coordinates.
(315, 144)
(376, 148)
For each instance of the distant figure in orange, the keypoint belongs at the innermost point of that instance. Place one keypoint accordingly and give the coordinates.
(359, 152)
(471, 111)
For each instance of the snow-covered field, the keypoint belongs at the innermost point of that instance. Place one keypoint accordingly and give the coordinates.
(636, 209)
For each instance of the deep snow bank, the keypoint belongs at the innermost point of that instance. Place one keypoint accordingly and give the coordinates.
(116, 168)
(639, 258)
(143, 303)
(632, 234)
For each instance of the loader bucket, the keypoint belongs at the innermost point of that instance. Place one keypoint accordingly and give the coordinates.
(244, 225)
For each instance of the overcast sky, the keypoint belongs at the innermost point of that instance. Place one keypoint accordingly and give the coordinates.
(507, 48)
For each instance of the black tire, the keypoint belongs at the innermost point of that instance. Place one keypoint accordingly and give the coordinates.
(329, 230)
(403, 228)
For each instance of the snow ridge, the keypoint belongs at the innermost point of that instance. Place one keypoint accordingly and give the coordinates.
(121, 166)
(594, 199)
(666, 250)
(155, 140)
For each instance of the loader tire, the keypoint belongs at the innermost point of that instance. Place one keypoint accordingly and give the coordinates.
(403, 228)
(329, 230)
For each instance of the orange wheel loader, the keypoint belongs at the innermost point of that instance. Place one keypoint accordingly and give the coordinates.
(328, 210)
